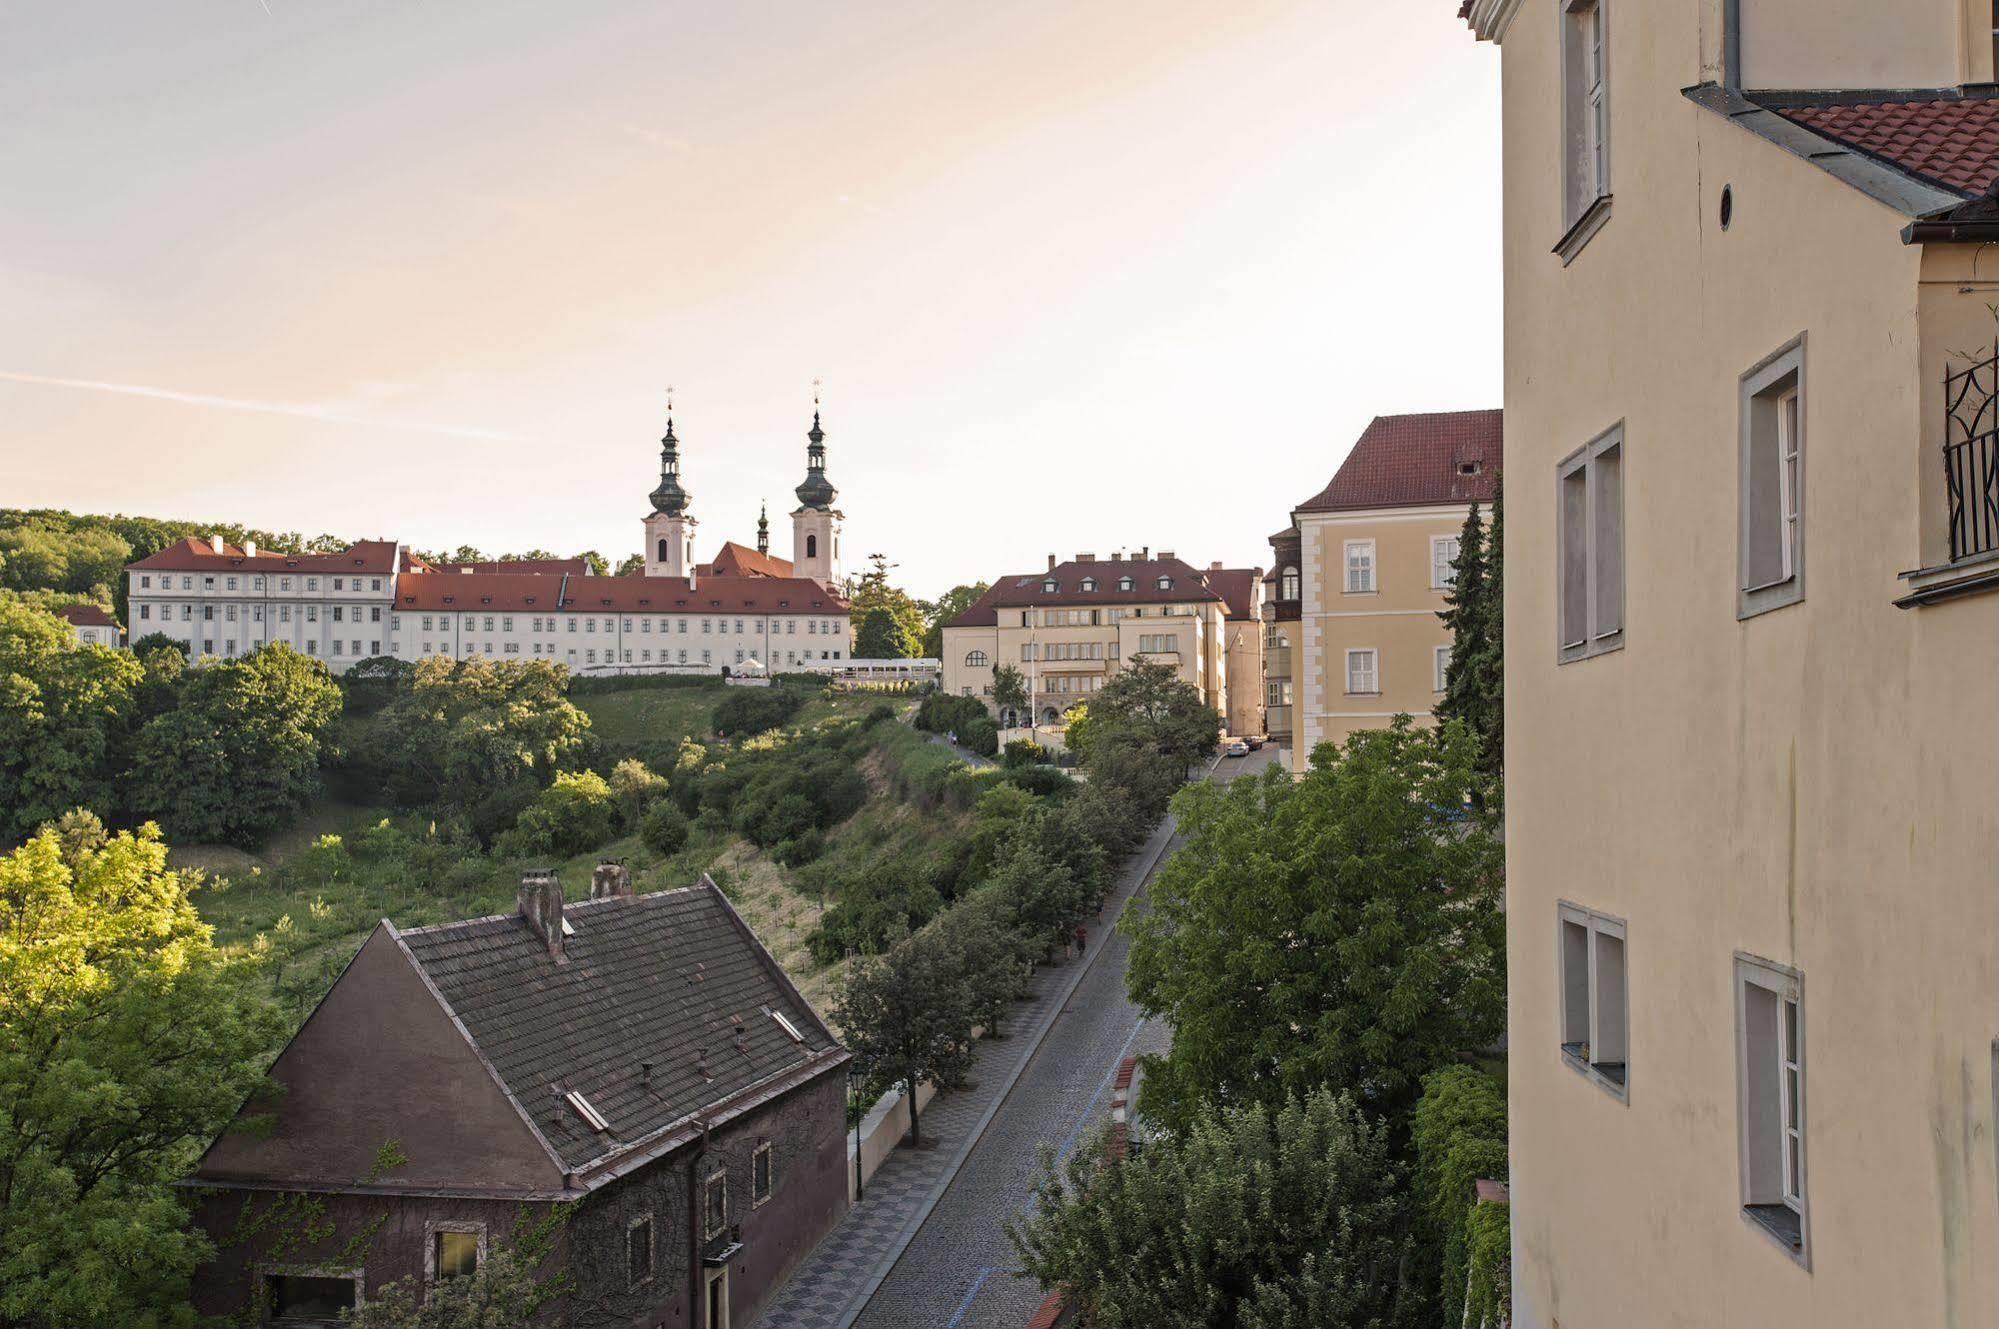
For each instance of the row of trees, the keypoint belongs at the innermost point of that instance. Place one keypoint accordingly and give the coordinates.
(1330, 955)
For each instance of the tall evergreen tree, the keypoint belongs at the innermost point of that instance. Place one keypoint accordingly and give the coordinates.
(1474, 681)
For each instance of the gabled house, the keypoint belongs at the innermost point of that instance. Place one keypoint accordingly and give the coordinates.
(638, 1063)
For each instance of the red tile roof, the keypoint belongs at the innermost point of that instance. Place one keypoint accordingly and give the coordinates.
(1417, 460)
(86, 616)
(1949, 142)
(540, 567)
(981, 613)
(1237, 587)
(196, 555)
(736, 560)
(1023, 590)
(528, 593)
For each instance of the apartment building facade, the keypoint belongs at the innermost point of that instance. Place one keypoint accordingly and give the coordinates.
(1352, 637)
(1752, 507)
(1070, 628)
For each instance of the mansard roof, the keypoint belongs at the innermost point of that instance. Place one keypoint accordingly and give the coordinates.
(1417, 461)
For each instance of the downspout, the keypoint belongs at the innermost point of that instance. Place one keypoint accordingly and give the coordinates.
(694, 1288)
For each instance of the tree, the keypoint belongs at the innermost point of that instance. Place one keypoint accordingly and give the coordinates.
(503, 1291)
(239, 756)
(881, 637)
(575, 814)
(1459, 1133)
(1342, 930)
(631, 565)
(996, 954)
(65, 716)
(664, 829)
(872, 591)
(1148, 705)
(949, 605)
(1285, 1217)
(636, 788)
(1474, 680)
(907, 1017)
(467, 729)
(1010, 691)
(595, 563)
(1042, 894)
(127, 1040)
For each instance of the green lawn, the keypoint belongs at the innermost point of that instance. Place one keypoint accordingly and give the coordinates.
(627, 718)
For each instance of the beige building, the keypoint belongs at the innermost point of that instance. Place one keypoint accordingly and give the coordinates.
(1352, 637)
(1752, 503)
(1070, 628)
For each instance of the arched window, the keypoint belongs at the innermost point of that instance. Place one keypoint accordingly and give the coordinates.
(975, 660)
(1125, 583)
(812, 546)
(1287, 584)
(662, 550)
(1089, 583)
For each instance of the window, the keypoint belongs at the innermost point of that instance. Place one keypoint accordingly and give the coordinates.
(1586, 124)
(1360, 566)
(1026, 651)
(1770, 1067)
(1126, 584)
(1287, 584)
(308, 1298)
(760, 1174)
(229, 583)
(1593, 1001)
(975, 659)
(146, 582)
(715, 1205)
(1363, 672)
(1162, 643)
(455, 1249)
(1277, 692)
(145, 611)
(1591, 513)
(1164, 583)
(638, 1250)
(1441, 660)
(1771, 483)
(812, 546)
(1051, 586)
(1443, 557)
(1089, 583)
(338, 584)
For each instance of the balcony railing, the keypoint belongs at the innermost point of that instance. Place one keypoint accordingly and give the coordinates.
(1971, 458)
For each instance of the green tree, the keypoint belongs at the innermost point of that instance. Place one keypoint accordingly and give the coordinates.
(664, 829)
(951, 604)
(574, 815)
(1459, 1135)
(631, 565)
(504, 1291)
(908, 1017)
(65, 715)
(873, 591)
(466, 729)
(636, 788)
(881, 637)
(1010, 690)
(1290, 1217)
(1147, 705)
(239, 756)
(595, 563)
(996, 953)
(1474, 680)
(1342, 930)
(127, 1040)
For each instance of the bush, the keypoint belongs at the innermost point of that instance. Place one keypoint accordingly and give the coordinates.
(981, 736)
(664, 829)
(1023, 752)
(1458, 1130)
(748, 710)
(896, 899)
(636, 788)
(573, 815)
(941, 713)
(1041, 781)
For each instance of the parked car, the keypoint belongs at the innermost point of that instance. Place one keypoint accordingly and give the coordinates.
(1256, 742)
(1238, 748)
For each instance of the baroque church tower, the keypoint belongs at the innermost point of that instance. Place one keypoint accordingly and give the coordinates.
(815, 525)
(669, 547)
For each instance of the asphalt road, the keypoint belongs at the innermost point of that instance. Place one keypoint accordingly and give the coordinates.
(959, 1271)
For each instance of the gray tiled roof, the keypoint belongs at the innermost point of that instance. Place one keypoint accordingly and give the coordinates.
(667, 978)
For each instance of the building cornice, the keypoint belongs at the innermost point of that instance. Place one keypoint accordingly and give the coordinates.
(1489, 19)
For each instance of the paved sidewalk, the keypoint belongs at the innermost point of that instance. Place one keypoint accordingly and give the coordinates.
(830, 1288)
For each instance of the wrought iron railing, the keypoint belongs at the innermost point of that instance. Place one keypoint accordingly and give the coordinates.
(1971, 457)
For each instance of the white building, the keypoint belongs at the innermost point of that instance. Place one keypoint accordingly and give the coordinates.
(92, 626)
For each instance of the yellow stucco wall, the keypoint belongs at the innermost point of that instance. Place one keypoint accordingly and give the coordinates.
(1811, 785)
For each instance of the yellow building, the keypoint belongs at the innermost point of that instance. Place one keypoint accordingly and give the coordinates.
(1070, 628)
(1752, 500)
(1352, 637)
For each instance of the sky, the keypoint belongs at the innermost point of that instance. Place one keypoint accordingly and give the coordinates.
(1075, 276)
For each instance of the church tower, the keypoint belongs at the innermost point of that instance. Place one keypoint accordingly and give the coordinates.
(815, 526)
(669, 548)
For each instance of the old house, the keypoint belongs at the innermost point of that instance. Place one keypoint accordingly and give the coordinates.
(637, 1065)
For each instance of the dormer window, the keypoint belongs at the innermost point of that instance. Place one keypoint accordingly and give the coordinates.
(1051, 586)
(1164, 583)
(1126, 584)
(1468, 468)
(1089, 583)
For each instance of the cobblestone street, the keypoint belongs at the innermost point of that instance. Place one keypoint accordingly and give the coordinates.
(956, 1270)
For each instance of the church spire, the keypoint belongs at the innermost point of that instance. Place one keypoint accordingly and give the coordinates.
(763, 528)
(816, 491)
(670, 498)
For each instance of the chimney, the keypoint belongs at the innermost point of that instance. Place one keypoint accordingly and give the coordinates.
(1166, 553)
(611, 880)
(249, 549)
(1215, 566)
(645, 1076)
(1086, 557)
(1051, 562)
(541, 906)
(1144, 553)
(215, 544)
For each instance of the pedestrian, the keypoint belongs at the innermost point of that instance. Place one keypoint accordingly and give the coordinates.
(1082, 937)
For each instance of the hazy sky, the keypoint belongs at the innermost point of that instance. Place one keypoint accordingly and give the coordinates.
(1077, 275)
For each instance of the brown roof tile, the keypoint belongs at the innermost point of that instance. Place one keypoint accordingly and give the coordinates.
(1417, 460)
(528, 593)
(85, 616)
(734, 560)
(197, 555)
(540, 567)
(1952, 142)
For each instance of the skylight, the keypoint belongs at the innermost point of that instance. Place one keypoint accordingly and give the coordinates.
(567, 929)
(789, 1028)
(583, 1109)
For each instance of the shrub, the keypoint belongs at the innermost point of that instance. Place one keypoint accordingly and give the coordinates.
(896, 898)
(572, 815)
(664, 829)
(636, 788)
(941, 713)
(981, 736)
(1041, 781)
(748, 710)
(1023, 752)
(1458, 1130)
